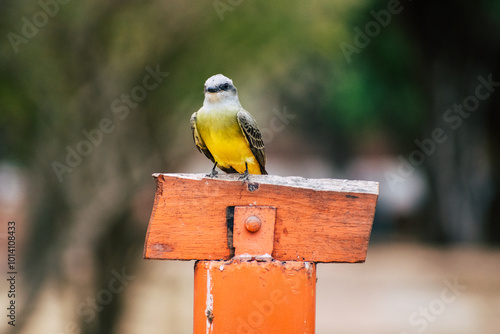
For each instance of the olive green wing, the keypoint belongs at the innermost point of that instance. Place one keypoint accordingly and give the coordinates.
(198, 141)
(252, 133)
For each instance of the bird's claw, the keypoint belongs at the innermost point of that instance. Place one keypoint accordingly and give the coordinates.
(212, 174)
(245, 177)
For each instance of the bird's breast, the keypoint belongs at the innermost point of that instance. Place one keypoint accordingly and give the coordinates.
(218, 124)
(224, 139)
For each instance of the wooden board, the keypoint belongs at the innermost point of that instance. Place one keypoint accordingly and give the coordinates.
(317, 220)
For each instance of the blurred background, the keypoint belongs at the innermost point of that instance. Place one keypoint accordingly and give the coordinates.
(96, 96)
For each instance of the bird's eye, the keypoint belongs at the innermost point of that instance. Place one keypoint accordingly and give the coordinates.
(225, 86)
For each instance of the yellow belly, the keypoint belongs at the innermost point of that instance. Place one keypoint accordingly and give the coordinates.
(225, 140)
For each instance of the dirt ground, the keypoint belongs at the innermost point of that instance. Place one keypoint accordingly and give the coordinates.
(401, 289)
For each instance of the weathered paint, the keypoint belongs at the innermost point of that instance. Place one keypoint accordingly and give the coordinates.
(255, 297)
(314, 219)
(209, 301)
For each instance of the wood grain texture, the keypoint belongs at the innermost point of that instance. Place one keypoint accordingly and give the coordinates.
(317, 220)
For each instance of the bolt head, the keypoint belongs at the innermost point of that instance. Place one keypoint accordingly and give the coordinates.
(253, 224)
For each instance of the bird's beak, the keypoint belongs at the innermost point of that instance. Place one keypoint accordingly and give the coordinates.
(212, 89)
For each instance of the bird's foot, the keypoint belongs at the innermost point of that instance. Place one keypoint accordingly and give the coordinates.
(245, 177)
(212, 174)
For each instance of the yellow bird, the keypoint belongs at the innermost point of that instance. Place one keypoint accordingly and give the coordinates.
(226, 133)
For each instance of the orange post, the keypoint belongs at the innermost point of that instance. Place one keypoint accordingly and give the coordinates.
(254, 297)
(257, 244)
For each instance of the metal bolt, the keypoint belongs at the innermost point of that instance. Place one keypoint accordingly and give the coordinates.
(253, 224)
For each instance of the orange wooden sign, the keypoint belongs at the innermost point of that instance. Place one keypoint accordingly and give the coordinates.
(317, 220)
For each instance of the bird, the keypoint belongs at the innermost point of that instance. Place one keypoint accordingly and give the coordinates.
(226, 133)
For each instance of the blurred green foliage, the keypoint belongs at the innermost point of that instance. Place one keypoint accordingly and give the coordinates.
(90, 52)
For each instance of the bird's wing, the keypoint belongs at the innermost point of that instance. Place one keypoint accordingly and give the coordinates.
(252, 133)
(198, 141)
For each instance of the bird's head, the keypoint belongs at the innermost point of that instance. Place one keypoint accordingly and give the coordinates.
(220, 89)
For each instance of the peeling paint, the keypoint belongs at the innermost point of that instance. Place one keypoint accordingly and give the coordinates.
(244, 256)
(209, 310)
(264, 258)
